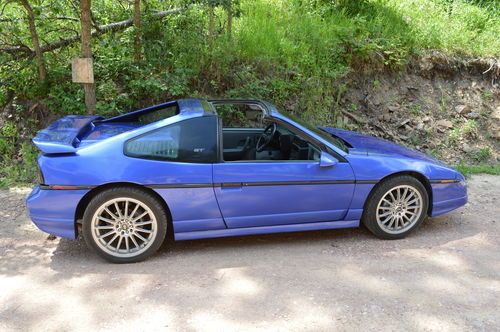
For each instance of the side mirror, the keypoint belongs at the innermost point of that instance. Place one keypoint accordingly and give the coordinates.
(327, 160)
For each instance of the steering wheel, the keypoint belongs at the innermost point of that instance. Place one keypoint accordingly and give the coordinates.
(266, 137)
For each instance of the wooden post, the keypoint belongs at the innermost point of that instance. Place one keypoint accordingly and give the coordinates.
(86, 27)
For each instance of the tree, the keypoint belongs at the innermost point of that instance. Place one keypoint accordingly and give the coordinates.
(229, 9)
(86, 33)
(137, 32)
(211, 21)
(42, 70)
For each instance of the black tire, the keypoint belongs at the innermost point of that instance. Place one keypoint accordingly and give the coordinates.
(132, 193)
(369, 218)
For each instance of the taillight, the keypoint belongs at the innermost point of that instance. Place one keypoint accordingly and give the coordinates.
(39, 176)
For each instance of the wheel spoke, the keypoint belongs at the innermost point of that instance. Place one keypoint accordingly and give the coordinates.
(385, 200)
(140, 237)
(127, 244)
(412, 194)
(111, 241)
(412, 202)
(145, 231)
(137, 218)
(105, 227)
(110, 213)
(386, 220)
(135, 242)
(119, 243)
(143, 223)
(107, 234)
(125, 212)
(385, 214)
(405, 192)
(118, 210)
(106, 220)
(134, 210)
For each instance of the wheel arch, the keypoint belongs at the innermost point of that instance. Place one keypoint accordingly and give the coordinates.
(85, 200)
(417, 175)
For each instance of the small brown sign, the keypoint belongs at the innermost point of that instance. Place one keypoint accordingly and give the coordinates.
(82, 70)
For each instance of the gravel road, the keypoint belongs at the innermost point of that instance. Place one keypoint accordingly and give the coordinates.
(445, 277)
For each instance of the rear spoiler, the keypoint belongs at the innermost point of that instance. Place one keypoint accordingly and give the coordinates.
(63, 136)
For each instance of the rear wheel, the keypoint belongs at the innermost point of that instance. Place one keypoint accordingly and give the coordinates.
(124, 225)
(396, 207)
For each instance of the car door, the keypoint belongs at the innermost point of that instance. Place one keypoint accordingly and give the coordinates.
(253, 194)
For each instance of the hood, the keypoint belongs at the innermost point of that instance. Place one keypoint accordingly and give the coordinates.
(361, 143)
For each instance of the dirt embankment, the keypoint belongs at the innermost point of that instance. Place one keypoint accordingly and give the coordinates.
(444, 106)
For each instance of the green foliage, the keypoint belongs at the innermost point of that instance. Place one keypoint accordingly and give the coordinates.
(17, 160)
(487, 96)
(470, 128)
(8, 135)
(480, 155)
(416, 109)
(468, 170)
(22, 170)
(454, 135)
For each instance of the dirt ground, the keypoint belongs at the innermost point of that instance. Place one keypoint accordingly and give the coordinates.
(445, 277)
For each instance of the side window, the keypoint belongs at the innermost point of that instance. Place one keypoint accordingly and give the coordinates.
(191, 141)
(240, 116)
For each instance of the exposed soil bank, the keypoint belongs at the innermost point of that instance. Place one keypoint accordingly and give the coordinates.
(447, 107)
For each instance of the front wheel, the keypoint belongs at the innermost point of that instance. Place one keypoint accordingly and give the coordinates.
(396, 207)
(124, 225)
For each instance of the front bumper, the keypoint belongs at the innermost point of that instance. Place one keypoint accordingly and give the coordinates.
(448, 196)
(54, 211)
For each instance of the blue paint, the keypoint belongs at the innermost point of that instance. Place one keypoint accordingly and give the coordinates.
(262, 197)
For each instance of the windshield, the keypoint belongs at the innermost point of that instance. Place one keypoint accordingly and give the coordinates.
(318, 131)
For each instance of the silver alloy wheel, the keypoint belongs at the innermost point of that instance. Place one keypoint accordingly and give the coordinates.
(124, 227)
(399, 209)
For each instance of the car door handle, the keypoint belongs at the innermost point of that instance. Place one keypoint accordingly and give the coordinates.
(231, 185)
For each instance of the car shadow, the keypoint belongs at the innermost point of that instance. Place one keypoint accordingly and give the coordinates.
(354, 242)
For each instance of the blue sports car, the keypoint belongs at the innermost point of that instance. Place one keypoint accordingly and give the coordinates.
(213, 168)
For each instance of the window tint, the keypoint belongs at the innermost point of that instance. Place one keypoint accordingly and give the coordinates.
(193, 141)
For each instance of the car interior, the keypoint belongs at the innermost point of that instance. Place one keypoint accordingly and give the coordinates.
(248, 136)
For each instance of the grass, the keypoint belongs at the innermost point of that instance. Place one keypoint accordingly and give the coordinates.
(468, 170)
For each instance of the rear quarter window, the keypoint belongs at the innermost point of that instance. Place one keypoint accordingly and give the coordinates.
(192, 141)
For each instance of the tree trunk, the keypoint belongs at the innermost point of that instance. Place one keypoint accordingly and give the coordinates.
(211, 23)
(86, 26)
(229, 18)
(137, 31)
(42, 70)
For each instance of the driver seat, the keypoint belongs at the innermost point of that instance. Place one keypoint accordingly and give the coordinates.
(250, 154)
